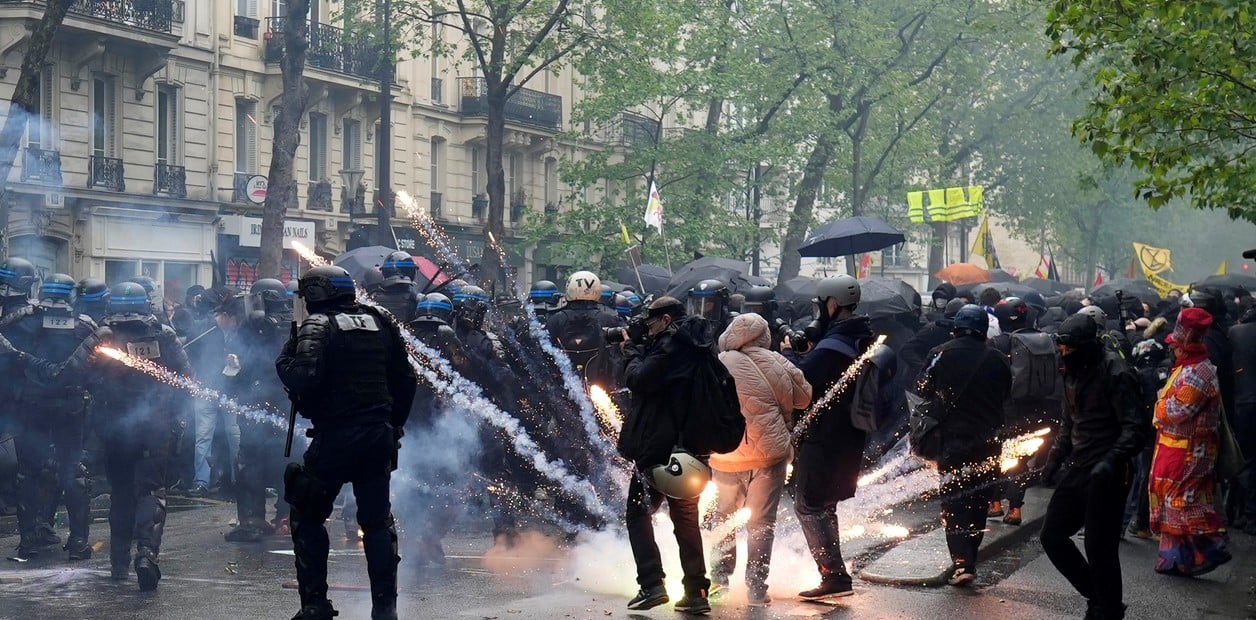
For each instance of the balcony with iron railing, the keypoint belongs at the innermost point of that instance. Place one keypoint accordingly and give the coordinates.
(627, 129)
(239, 187)
(151, 15)
(318, 196)
(41, 165)
(331, 48)
(106, 172)
(170, 180)
(525, 107)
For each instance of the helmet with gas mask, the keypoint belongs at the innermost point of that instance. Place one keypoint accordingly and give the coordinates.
(471, 305)
(709, 300)
(17, 278)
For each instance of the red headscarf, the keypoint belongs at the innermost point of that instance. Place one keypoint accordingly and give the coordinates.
(1187, 339)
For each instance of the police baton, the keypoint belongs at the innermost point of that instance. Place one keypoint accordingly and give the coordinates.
(203, 334)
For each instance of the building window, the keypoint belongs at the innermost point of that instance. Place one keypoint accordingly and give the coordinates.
(104, 116)
(513, 170)
(246, 22)
(40, 126)
(551, 181)
(245, 136)
(167, 125)
(477, 171)
(279, 8)
(351, 144)
(318, 146)
(894, 256)
(437, 167)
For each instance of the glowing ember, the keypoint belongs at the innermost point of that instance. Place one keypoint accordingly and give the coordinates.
(1008, 464)
(308, 254)
(706, 501)
(741, 517)
(607, 412)
(895, 531)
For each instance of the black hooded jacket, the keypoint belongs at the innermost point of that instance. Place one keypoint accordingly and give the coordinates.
(659, 375)
(1103, 418)
(1243, 342)
(974, 379)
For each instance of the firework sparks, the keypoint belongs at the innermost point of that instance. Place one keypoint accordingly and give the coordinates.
(191, 386)
(836, 390)
(607, 412)
(308, 254)
(706, 501)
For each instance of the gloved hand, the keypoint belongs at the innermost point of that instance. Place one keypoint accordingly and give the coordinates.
(1103, 470)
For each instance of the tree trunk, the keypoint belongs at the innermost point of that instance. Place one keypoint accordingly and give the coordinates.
(22, 102)
(491, 264)
(858, 189)
(937, 251)
(281, 186)
(800, 217)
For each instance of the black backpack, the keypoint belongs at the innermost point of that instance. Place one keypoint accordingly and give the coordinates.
(580, 336)
(1035, 366)
(712, 422)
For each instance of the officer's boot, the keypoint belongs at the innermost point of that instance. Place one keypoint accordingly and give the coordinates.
(79, 512)
(119, 557)
(146, 570)
(380, 544)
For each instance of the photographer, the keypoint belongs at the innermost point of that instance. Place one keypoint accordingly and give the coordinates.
(661, 355)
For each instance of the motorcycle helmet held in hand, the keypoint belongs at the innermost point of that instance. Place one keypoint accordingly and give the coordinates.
(684, 476)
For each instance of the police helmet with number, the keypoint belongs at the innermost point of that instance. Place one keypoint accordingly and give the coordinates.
(327, 284)
(684, 476)
(17, 277)
(129, 300)
(398, 268)
(434, 308)
(57, 291)
(584, 286)
(92, 290)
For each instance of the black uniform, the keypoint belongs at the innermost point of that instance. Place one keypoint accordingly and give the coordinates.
(399, 299)
(577, 329)
(48, 438)
(348, 370)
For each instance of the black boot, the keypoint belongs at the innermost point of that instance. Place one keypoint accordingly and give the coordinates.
(316, 610)
(146, 571)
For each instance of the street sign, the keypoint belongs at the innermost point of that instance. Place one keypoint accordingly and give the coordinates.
(255, 189)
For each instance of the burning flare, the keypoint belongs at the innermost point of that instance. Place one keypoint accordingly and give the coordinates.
(308, 254)
(607, 413)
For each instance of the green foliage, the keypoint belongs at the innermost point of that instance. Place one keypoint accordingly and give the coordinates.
(1173, 94)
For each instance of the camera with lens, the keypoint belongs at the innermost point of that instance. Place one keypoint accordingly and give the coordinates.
(636, 331)
(782, 328)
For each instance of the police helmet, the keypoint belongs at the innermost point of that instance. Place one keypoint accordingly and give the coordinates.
(57, 291)
(398, 268)
(291, 287)
(708, 299)
(373, 280)
(608, 296)
(470, 304)
(128, 301)
(623, 306)
(455, 285)
(327, 284)
(144, 281)
(970, 320)
(434, 308)
(92, 291)
(544, 294)
(843, 288)
(584, 286)
(1077, 331)
(760, 300)
(272, 294)
(17, 277)
(1012, 313)
(684, 476)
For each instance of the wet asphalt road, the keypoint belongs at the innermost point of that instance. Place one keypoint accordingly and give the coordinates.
(206, 577)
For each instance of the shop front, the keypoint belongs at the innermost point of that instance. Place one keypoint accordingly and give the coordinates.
(239, 249)
(174, 249)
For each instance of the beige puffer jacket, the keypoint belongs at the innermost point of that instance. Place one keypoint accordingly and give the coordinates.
(769, 387)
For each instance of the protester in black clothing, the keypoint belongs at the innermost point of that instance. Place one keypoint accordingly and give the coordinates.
(912, 356)
(939, 300)
(1243, 341)
(347, 368)
(973, 382)
(658, 372)
(1103, 428)
(826, 466)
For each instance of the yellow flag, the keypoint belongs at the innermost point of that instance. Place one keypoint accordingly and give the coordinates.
(623, 232)
(983, 245)
(1153, 260)
(1221, 271)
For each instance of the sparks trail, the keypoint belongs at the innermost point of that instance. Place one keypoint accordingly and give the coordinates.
(436, 239)
(607, 412)
(191, 386)
(835, 390)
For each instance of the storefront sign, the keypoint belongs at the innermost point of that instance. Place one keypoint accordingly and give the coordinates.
(249, 229)
(255, 189)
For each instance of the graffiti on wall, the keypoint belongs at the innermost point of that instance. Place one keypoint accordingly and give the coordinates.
(242, 273)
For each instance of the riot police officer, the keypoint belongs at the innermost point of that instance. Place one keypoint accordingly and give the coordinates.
(709, 300)
(396, 293)
(142, 428)
(50, 420)
(347, 370)
(255, 326)
(156, 302)
(544, 298)
(471, 304)
(17, 279)
(91, 298)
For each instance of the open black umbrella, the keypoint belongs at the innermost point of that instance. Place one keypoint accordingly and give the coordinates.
(734, 273)
(1141, 289)
(1045, 286)
(998, 275)
(1006, 289)
(793, 297)
(851, 235)
(883, 297)
(1228, 281)
(653, 277)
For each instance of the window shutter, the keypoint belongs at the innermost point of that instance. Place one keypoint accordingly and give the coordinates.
(111, 119)
(251, 134)
(252, 9)
(173, 136)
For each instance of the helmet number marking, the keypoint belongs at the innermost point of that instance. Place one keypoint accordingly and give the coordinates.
(58, 322)
(351, 322)
(144, 350)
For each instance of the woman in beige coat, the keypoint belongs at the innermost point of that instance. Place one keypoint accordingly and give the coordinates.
(753, 476)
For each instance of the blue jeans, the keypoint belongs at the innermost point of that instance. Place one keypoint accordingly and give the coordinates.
(760, 491)
(206, 422)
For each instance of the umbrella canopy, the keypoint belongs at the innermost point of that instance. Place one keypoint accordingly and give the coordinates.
(998, 275)
(794, 296)
(734, 273)
(1229, 280)
(883, 297)
(1046, 287)
(1141, 289)
(358, 261)
(851, 235)
(963, 273)
(653, 277)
